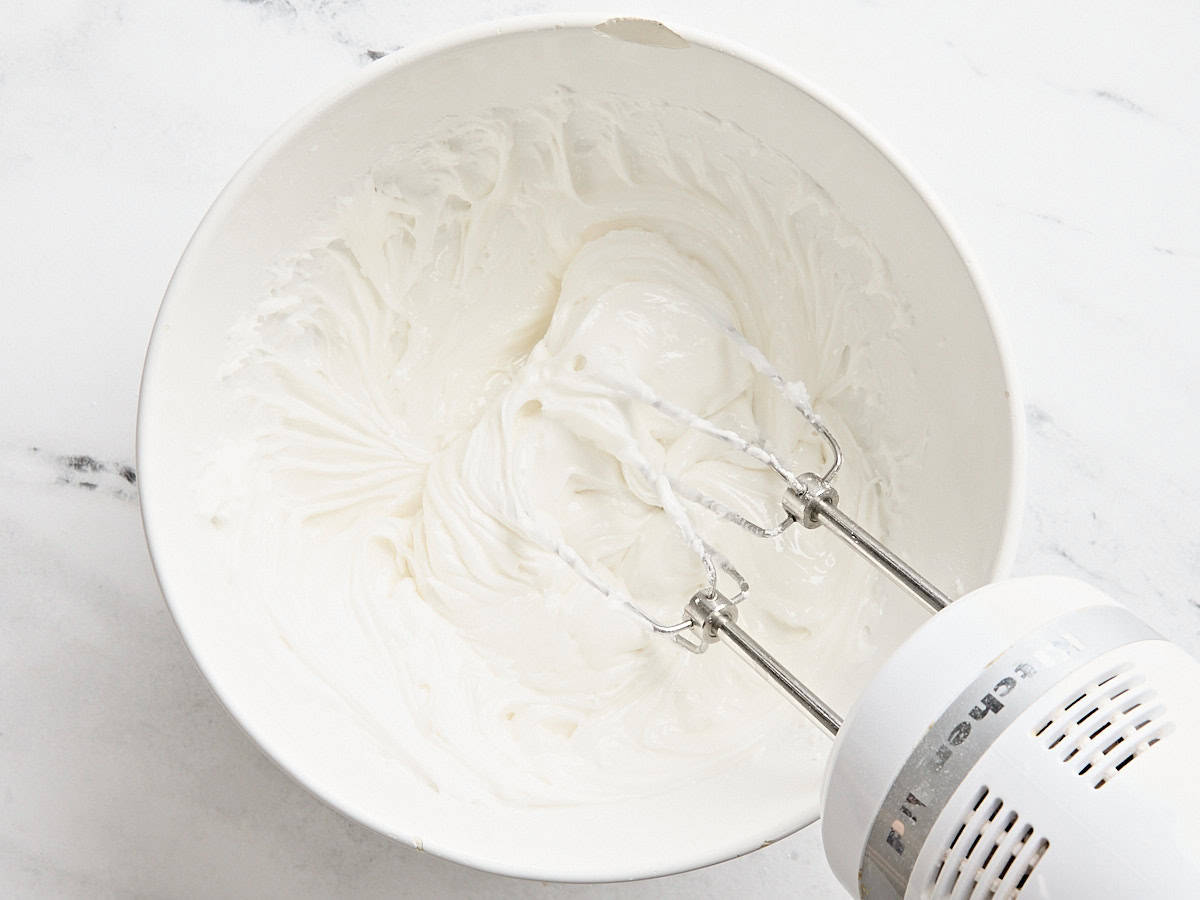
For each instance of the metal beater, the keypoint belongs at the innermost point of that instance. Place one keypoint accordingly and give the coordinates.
(808, 498)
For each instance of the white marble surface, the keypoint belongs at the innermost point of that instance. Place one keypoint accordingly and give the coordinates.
(1063, 138)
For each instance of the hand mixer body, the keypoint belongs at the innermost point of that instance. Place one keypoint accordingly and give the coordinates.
(1034, 739)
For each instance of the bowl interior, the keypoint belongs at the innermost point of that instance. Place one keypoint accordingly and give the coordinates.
(957, 527)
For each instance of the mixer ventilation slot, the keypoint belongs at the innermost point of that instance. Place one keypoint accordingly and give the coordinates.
(1102, 727)
(990, 857)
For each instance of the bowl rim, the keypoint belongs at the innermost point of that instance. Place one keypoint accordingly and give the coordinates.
(249, 170)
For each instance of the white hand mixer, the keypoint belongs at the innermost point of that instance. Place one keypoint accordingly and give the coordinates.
(1034, 738)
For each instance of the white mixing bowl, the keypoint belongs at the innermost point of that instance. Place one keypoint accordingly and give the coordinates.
(959, 527)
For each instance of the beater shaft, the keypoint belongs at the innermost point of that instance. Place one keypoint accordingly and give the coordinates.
(816, 505)
(869, 548)
(773, 670)
(713, 617)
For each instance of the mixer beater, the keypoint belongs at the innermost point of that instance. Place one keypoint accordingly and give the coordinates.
(808, 499)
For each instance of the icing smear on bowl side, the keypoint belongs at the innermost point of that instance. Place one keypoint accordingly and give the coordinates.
(419, 428)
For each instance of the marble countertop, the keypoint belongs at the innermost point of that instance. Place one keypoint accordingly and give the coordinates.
(1063, 139)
